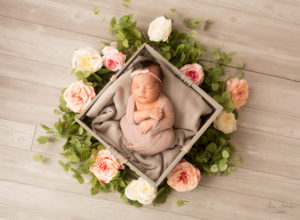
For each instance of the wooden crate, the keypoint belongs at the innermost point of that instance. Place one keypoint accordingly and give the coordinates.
(147, 50)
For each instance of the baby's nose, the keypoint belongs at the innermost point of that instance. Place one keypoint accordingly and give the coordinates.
(142, 90)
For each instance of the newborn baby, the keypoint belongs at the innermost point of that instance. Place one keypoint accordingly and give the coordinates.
(148, 123)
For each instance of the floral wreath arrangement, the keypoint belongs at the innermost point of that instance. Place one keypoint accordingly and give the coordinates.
(210, 155)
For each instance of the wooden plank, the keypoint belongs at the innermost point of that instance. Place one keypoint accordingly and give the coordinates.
(244, 181)
(41, 43)
(62, 205)
(36, 72)
(16, 134)
(247, 28)
(12, 213)
(268, 153)
(26, 102)
(267, 93)
(231, 204)
(266, 121)
(50, 148)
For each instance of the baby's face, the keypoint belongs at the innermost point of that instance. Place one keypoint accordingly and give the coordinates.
(145, 88)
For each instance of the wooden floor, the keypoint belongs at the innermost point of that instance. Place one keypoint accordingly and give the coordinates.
(36, 46)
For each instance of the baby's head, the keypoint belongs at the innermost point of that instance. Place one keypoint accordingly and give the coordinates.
(147, 81)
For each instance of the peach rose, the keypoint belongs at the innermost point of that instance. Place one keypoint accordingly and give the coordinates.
(194, 71)
(239, 91)
(78, 96)
(112, 58)
(184, 177)
(106, 166)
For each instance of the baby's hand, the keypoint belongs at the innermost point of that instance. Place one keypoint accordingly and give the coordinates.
(155, 113)
(145, 126)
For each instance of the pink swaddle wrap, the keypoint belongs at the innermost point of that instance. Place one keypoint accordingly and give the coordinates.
(159, 138)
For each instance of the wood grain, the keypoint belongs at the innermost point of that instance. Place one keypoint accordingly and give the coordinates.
(37, 40)
(262, 31)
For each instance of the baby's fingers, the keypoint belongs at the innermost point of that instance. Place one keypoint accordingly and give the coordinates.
(142, 130)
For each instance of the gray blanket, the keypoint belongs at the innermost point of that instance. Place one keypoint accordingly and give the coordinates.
(111, 106)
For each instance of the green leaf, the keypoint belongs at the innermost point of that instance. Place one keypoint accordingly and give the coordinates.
(214, 168)
(56, 111)
(74, 69)
(239, 73)
(80, 131)
(182, 57)
(226, 96)
(218, 98)
(137, 33)
(71, 156)
(206, 23)
(46, 128)
(192, 23)
(180, 203)
(240, 64)
(66, 166)
(162, 194)
(232, 54)
(215, 86)
(96, 9)
(231, 169)
(173, 10)
(223, 167)
(193, 33)
(237, 160)
(212, 147)
(42, 139)
(38, 158)
(79, 178)
(113, 21)
(230, 107)
(225, 154)
(125, 43)
(223, 161)
(213, 49)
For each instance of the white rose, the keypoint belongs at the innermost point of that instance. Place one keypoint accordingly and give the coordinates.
(141, 190)
(87, 59)
(160, 29)
(225, 122)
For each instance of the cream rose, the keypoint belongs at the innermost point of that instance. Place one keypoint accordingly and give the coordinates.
(112, 58)
(239, 91)
(160, 29)
(184, 177)
(225, 122)
(106, 166)
(78, 96)
(194, 71)
(141, 190)
(87, 59)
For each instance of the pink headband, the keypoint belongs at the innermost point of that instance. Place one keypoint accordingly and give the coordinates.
(146, 71)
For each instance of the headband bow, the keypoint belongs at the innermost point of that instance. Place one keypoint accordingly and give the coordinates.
(146, 71)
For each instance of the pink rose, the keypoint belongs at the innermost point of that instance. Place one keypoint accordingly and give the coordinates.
(78, 96)
(239, 91)
(112, 58)
(184, 177)
(194, 71)
(106, 166)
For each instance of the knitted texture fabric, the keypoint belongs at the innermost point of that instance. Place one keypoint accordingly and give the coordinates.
(159, 138)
